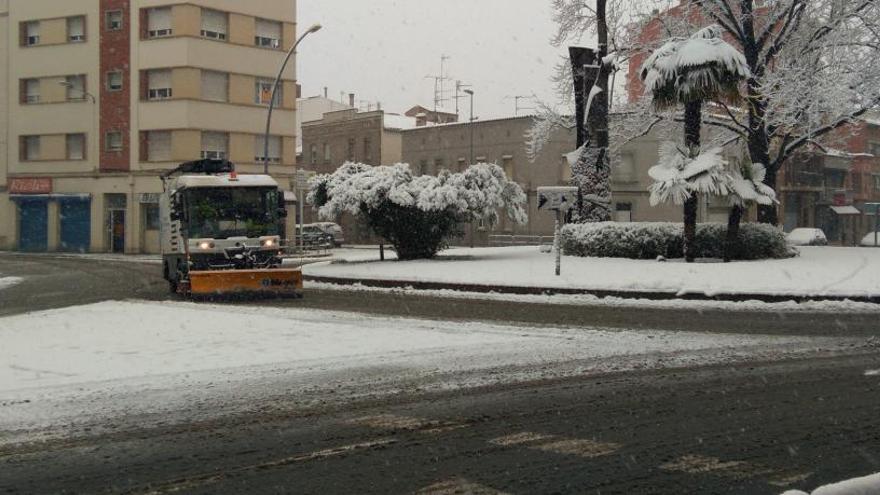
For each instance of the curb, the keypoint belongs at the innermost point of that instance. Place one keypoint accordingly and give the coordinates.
(599, 293)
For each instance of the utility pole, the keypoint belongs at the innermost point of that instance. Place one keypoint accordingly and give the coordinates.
(470, 93)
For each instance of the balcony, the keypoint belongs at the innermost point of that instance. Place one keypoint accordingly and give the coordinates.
(192, 114)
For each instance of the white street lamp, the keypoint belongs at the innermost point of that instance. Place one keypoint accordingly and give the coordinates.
(314, 29)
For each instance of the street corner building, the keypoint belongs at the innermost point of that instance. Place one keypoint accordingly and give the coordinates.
(102, 96)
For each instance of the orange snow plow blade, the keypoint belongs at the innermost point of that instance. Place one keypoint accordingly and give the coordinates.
(228, 282)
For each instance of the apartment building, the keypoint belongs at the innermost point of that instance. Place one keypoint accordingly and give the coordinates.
(101, 96)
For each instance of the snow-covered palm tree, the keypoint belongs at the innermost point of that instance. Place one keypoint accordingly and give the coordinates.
(689, 72)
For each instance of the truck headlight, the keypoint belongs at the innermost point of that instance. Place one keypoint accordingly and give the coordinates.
(269, 243)
(206, 245)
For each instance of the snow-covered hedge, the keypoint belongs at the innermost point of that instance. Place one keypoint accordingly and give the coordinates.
(418, 214)
(651, 240)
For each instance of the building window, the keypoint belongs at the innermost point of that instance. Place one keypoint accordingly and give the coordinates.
(159, 146)
(76, 88)
(351, 152)
(30, 91)
(313, 154)
(439, 164)
(159, 84)
(31, 33)
(368, 150)
(214, 145)
(877, 182)
(76, 146)
(623, 212)
(423, 167)
(113, 19)
(274, 149)
(509, 169)
(625, 169)
(263, 93)
(151, 217)
(30, 147)
(114, 81)
(268, 34)
(214, 24)
(326, 152)
(159, 22)
(215, 86)
(113, 141)
(76, 29)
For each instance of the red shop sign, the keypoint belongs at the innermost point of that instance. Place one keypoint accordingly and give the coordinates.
(30, 185)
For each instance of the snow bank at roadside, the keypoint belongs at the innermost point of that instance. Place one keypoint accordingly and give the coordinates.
(867, 485)
(819, 271)
(620, 302)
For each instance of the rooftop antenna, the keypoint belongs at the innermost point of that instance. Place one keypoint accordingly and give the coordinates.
(440, 92)
(459, 86)
(517, 107)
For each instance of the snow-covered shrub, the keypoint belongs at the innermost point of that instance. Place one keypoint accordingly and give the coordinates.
(655, 239)
(418, 215)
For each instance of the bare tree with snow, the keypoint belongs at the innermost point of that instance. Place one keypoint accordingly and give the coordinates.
(814, 67)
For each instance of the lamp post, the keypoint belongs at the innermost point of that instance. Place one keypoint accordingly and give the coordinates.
(314, 29)
(470, 93)
(94, 100)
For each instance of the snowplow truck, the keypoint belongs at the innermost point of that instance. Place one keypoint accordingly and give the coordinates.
(221, 232)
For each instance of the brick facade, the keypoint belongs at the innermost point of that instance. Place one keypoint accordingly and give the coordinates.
(115, 106)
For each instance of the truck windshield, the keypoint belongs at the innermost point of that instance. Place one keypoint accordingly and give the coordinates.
(220, 213)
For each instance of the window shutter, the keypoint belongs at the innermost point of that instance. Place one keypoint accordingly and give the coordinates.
(214, 145)
(268, 33)
(159, 21)
(159, 79)
(76, 29)
(213, 21)
(159, 146)
(75, 145)
(215, 86)
(33, 29)
(32, 90)
(274, 148)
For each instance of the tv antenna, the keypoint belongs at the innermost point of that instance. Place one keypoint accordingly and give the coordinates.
(517, 107)
(440, 92)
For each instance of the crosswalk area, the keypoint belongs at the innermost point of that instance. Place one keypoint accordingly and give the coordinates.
(732, 472)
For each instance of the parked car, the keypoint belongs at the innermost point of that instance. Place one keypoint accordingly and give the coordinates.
(807, 237)
(334, 230)
(868, 240)
(313, 237)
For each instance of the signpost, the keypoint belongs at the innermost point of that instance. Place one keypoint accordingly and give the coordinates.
(302, 185)
(874, 209)
(559, 199)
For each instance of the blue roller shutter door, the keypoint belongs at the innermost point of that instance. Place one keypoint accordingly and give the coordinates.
(33, 233)
(76, 225)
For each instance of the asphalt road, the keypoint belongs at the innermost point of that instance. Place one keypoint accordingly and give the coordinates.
(57, 281)
(753, 430)
(748, 428)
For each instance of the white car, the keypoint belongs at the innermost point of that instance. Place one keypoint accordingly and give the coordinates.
(868, 240)
(807, 237)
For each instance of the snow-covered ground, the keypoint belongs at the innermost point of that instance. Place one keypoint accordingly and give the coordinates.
(6, 282)
(866, 485)
(148, 361)
(819, 271)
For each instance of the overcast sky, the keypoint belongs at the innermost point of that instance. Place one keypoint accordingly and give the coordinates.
(382, 50)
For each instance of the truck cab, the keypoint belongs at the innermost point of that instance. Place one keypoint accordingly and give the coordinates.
(213, 220)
